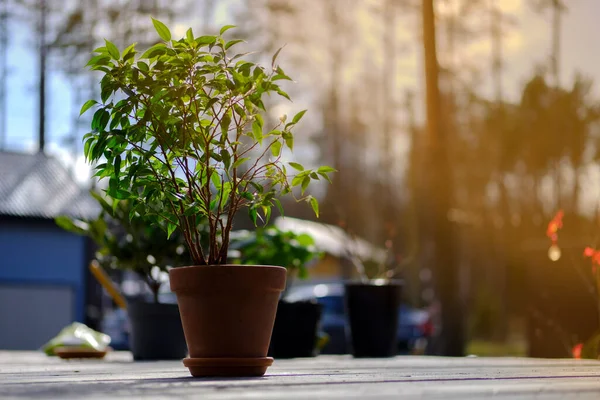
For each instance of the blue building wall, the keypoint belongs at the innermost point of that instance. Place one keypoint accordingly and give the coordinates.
(39, 252)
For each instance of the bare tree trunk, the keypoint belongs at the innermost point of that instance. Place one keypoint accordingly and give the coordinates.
(42, 79)
(500, 234)
(387, 215)
(440, 194)
(332, 116)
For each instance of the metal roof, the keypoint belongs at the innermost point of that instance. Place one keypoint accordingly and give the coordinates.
(38, 185)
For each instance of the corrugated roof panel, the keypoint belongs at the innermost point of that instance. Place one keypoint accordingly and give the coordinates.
(37, 185)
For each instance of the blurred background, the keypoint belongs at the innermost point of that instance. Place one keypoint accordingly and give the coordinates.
(454, 153)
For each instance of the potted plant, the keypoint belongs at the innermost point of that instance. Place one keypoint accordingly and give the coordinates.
(131, 243)
(295, 333)
(373, 301)
(180, 134)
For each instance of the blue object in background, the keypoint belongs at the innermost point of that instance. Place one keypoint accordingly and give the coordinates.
(42, 267)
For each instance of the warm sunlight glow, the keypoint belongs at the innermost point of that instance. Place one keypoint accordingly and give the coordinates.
(554, 253)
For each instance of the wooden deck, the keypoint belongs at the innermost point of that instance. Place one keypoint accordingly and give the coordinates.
(35, 376)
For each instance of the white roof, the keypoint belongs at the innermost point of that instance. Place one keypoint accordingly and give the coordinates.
(332, 239)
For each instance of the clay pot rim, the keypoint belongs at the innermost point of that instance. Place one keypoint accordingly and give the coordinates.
(229, 266)
(371, 283)
(188, 279)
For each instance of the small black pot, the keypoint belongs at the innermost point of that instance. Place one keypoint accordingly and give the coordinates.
(156, 332)
(373, 317)
(295, 330)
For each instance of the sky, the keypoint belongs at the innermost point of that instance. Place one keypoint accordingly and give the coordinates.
(526, 45)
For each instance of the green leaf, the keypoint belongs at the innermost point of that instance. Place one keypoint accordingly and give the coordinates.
(279, 206)
(298, 117)
(283, 94)
(225, 122)
(87, 105)
(70, 225)
(112, 50)
(246, 195)
(104, 118)
(325, 169)
(260, 120)
(226, 28)
(86, 146)
(232, 43)
(102, 201)
(162, 30)
(275, 56)
(253, 215)
(189, 35)
(325, 176)
(280, 75)
(297, 180)
(215, 179)
(240, 161)
(289, 139)
(154, 51)
(106, 92)
(256, 186)
(102, 59)
(211, 103)
(305, 239)
(121, 194)
(267, 212)
(129, 51)
(143, 66)
(257, 131)
(170, 229)
(314, 204)
(100, 119)
(305, 183)
(276, 148)
(100, 50)
(226, 159)
(204, 40)
(117, 165)
(297, 166)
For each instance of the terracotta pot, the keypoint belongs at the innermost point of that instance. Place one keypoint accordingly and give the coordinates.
(228, 313)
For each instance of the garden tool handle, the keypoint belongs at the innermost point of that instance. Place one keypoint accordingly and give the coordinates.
(107, 284)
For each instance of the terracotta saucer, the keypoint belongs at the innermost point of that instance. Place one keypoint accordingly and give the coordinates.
(78, 352)
(238, 367)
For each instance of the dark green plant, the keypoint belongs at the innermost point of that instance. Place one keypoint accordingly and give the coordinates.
(180, 134)
(273, 246)
(129, 243)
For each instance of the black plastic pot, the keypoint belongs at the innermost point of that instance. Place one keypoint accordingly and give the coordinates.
(373, 318)
(156, 332)
(295, 330)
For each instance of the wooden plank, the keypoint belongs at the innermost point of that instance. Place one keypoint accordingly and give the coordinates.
(33, 375)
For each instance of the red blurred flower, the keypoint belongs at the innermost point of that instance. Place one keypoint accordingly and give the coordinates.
(593, 254)
(554, 225)
(588, 252)
(576, 350)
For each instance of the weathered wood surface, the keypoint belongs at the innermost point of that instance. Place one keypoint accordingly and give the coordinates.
(33, 375)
